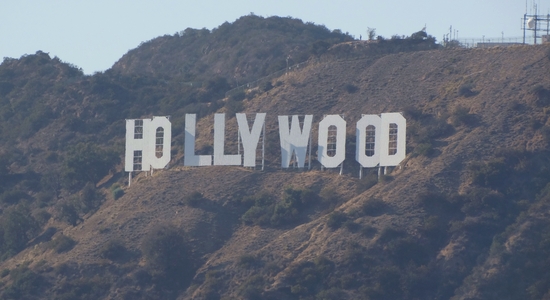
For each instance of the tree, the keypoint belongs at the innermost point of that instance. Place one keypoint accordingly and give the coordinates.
(371, 32)
(86, 162)
(420, 35)
(167, 256)
(18, 228)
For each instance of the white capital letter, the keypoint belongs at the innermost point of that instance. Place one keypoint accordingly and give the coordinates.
(294, 139)
(190, 158)
(393, 138)
(147, 144)
(249, 137)
(220, 158)
(340, 151)
(368, 131)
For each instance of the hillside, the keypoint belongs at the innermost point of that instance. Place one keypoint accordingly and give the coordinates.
(465, 216)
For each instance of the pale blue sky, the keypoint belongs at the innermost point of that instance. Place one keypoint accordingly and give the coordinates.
(94, 34)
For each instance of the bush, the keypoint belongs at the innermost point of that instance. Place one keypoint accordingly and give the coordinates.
(117, 193)
(4, 273)
(211, 286)
(247, 261)
(18, 227)
(113, 250)
(368, 231)
(233, 106)
(68, 213)
(167, 255)
(193, 199)
(466, 90)
(491, 173)
(268, 212)
(266, 86)
(407, 250)
(389, 234)
(13, 196)
(90, 198)
(329, 196)
(237, 96)
(351, 89)
(462, 116)
(424, 149)
(310, 277)
(86, 162)
(373, 207)
(352, 226)
(25, 284)
(252, 289)
(62, 244)
(83, 288)
(336, 219)
(411, 112)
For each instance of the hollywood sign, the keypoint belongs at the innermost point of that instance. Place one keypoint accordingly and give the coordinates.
(380, 141)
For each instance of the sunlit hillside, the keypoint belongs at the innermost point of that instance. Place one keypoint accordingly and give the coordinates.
(464, 216)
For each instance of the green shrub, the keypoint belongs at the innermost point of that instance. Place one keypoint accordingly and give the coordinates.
(390, 233)
(68, 213)
(466, 90)
(25, 284)
(408, 250)
(329, 196)
(113, 250)
(237, 96)
(368, 231)
(491, 173)
(247, 261)
(373, 207)
(62, 244)
(287, 211)
(461, 116)
(350, 88)
(193, 199)
(42, 217)
(351, 226)
(117, 193)
(90, 198)
(87, 162)
(336, 219)
(13, 196)
(4, 273)
(310, 277)
(18, 227)
(266, 86)
(167, 255)
(545, 131)
(424, 149)
(252, 289)
(212, 285)
(83, 288)
(233, 106)
(411, 112)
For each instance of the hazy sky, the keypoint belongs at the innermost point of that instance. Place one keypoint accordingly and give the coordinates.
(94, 34)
